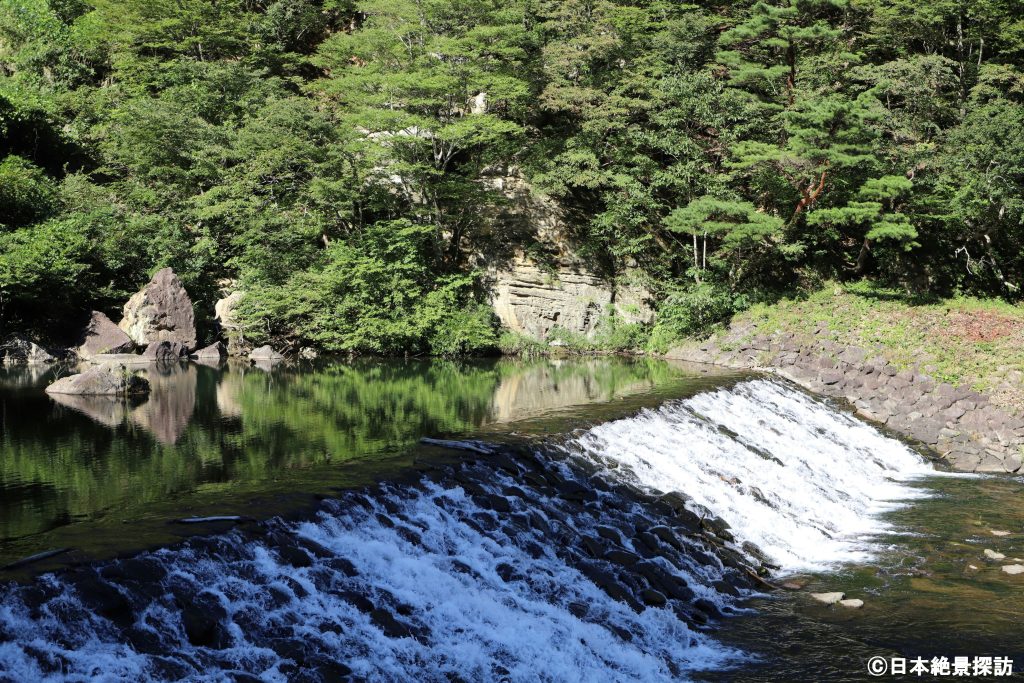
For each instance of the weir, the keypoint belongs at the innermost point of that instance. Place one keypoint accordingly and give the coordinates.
(617, 552)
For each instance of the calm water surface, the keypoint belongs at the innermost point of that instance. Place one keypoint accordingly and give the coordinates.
(104, 476)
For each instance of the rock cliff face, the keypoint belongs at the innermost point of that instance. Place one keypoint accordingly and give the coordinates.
(534, 298)
(160, 311)
(226, 320)
(533, 301)
(962, 425)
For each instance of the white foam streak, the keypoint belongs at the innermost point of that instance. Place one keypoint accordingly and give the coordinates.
(802, 481)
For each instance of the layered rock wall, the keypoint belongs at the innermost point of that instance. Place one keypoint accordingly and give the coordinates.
(534, 301)
(534, 295)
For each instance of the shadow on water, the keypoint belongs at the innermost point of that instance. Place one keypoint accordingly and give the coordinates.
(105, 476)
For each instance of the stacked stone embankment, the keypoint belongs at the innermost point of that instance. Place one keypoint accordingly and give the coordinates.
(963, 425)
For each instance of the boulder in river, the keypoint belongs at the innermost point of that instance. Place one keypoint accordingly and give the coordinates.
(109, 379)
(165, 351)
(993, 555)
(828, 598)
(1013, 568)
(160, 311)
(265, 353)
(213, 352)
(101, 336)
(19, 351)
(852, 603)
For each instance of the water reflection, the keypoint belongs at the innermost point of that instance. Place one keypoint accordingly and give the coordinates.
(165, 412)
(222, 433)
(109, 411)
(172, 400)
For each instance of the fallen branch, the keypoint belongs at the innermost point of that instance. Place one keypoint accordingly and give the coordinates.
(35, 558)
(474, 446)
(216, 518)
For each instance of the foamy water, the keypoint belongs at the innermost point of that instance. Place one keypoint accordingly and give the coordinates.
(481, 575)
(802, 481)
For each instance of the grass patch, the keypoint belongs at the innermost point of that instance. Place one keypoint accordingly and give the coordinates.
(960, 340)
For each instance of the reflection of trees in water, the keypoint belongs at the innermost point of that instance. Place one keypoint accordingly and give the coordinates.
(73, 457)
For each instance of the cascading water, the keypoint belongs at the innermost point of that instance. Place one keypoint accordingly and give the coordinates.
(803, 482)
(566, 562)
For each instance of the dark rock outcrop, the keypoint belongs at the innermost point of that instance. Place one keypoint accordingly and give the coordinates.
(106, 380)
(101, 335)
(160, 311)
(165, 351)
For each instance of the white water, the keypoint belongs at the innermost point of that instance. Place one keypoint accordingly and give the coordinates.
(474, 621)
(804, 482)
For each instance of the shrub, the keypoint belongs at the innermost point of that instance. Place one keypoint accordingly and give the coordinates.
(692, 312)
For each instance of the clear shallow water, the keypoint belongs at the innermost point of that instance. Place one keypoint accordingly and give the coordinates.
(537, 564)
(928, 592)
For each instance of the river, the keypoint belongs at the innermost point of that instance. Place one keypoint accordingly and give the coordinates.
(529, 538)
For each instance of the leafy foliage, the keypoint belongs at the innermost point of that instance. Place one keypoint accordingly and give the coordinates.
(333, 157)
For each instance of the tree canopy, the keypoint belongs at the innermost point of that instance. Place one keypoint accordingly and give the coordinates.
(331, 156)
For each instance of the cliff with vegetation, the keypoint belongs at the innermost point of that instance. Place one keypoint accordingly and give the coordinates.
(347, 164)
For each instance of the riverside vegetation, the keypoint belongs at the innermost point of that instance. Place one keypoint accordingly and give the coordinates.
(329, 157)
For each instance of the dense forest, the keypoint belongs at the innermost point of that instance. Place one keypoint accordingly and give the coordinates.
(328, 155)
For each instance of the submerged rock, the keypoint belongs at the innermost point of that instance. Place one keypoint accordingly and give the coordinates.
(828, 598)
(106, 380)
(993, 555)
(102, 336)
(160, 311)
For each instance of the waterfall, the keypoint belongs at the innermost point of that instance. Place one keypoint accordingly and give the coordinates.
(561, 562)
(800, 480)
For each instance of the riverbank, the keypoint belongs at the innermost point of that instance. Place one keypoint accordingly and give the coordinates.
(948, 373)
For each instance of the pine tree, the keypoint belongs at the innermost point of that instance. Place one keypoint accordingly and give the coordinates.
(737, 226)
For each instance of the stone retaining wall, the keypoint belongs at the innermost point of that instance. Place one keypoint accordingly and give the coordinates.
(962, 425)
